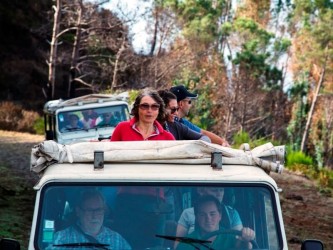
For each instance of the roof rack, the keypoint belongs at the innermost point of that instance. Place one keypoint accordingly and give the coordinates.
(53, 105)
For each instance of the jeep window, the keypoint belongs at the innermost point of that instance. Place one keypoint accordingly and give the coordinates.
(93, 118)
(146, 216)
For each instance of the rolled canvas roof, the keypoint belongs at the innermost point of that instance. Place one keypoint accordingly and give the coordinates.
(47, 153)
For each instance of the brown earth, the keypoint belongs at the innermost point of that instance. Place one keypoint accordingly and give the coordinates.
(307, 213)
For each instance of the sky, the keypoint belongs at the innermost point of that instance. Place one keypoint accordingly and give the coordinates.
(132, 8)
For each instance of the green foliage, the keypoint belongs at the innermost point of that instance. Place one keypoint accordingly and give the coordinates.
(256, 52)
(282, 45)
(298, 93)
(300, 162)
(226, 28)
(249, 28)
(203, 104)
(298, 158)
(132, 95)
(319, 150)
(38, 126)
(199, 18)
(244, 137)
(240, 138)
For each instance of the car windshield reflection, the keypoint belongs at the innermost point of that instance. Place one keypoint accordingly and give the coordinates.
(159, 216)
(93, 118)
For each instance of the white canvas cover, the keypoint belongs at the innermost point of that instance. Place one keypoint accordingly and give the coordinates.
(266, 156)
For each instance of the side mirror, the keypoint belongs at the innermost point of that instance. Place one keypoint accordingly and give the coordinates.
(9, 244)
(312, 245)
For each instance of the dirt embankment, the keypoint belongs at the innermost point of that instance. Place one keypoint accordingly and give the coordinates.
(307, 213)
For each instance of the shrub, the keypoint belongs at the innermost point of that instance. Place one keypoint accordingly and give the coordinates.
(13, 117)
(298, 157)
(39, 126)
(240, 138)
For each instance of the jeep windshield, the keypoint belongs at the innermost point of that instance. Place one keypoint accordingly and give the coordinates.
(92, 118)
(156, 216)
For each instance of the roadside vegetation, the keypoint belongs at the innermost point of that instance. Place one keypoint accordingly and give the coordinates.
(262, 69)
(297, 161)
(16, 203)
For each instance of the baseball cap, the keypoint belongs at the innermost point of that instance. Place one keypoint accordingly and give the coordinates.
(181, 92)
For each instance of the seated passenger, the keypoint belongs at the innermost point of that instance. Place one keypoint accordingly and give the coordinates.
(89, 118)
(89, 227)
(208, 219)
(108, 119)
(74, 123)
(186, 222)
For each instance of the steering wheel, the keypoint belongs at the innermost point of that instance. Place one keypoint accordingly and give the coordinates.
(230, 231)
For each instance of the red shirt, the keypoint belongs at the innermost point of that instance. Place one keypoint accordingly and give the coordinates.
(127, 131)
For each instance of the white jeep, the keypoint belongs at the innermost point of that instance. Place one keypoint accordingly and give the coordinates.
(85, 118)
(147, 186)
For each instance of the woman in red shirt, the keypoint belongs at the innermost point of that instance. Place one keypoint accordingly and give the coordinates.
(138, 210)
(147, 109)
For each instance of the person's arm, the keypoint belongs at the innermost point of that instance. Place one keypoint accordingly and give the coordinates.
(244, 241)
(189, 134)
(181, 231)
(215, 138)
(184, 224)
(235, 220)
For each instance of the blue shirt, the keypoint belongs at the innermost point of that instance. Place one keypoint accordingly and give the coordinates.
(106, 236)
(190, 125)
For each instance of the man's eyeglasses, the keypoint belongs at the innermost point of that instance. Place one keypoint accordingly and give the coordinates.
(173, 110)
(146, 106)
(97, 211)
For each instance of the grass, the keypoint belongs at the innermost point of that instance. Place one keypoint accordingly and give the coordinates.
(16, 205)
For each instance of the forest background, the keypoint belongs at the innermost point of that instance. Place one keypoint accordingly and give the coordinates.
(262, 69)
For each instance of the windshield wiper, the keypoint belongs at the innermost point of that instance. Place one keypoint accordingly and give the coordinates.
(83, 244)
(187, 240)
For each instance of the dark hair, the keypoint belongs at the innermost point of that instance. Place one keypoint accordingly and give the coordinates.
(205, 199)
(167, 96)
(153, 94)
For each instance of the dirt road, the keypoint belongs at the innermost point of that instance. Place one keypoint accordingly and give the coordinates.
(307, 213)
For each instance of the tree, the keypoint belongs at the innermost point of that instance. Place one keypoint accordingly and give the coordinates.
(313, 53)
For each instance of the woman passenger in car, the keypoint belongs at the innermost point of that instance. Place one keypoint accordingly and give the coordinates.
(138, 216)
(179, 130)
(147, 109)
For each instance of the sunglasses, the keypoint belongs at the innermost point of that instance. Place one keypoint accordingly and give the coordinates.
(146, 106)
(188, 101)
(173, 110)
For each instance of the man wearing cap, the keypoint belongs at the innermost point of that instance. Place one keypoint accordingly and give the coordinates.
(184, 99)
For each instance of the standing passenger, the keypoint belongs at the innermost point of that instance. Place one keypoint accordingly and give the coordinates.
(147, 109)
(179, 130)
(138, 210)
(185, 98)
